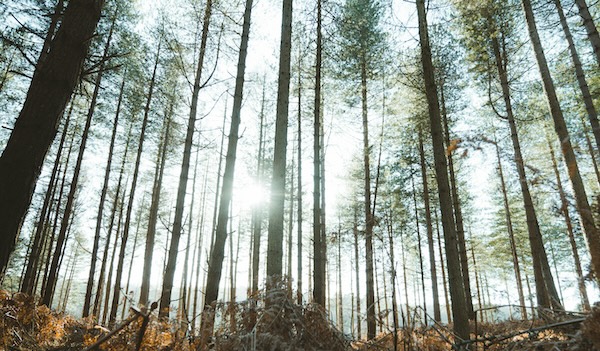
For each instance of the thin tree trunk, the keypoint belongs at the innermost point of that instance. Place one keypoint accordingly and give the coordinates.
(217, 254)
(580, 74)
(356, 258)
(60, 241)
(119, 273)
(135, 241)
(544, 284)
(565, 211)
(299, 195)
(114, 209)
(457, 289)
(396, 323)
(460, 230)
(511, 235)
(432, 267)
(276, 205)
(91, 274)
(37, 123)
(154, 207)
(165, 298)
(590, 27)
(318, 255)
(587, 220)
(419, 249)
(257, 211)
(29, 278)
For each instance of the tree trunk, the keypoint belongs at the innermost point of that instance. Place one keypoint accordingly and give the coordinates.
(126, 225)
(60, 241)
(511, 235)
(565, 211)
(356, 258)
(299, 194)
(257, 217)
(217, 254)
(419, 249)
(114, 209)
(318, 255)
(590, 27)
(460, 229)
(587, 220)
(457, 289)
(544, 284)
(443, 269)
(165, 297)
(50, 90)
(91, 274)
(154, 207)
(29, 278)
(276, 205)
(432, 267)
(580, 74)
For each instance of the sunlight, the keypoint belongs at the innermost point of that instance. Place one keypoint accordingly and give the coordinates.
(252, 195)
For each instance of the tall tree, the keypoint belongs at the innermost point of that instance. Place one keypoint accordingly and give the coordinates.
(318, 254)
(276, 205)
(167, 286)
(37, 123)
(560, 127)
(590, 27)
(362, 46)
(457, 289)
(215, 265)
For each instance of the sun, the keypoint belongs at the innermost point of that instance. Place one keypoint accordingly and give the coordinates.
(252, 195)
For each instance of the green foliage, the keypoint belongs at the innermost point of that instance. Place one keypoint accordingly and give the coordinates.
(362, 40)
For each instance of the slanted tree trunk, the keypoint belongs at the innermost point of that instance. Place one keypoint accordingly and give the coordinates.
(136, 169)
(585, 213)
(432, 267)
(100, 214)
(511, 234)
(29, 278)
(167, 286)
(113, 213)
(580, 74)
(37, 123)
(60, 241)
(590, 27)
(544, 283)
(565, 211)
(213, 279)
(276, 205)
(457, 289)
(460, 228)
(154, 207)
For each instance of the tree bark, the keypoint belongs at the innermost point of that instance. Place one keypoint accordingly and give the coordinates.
(511, 235)
(167, 286)
(590, 27)
(215, 266)
(318, 255)
(580, 74)
(136, 169)
(585, 213)
(33, 132)
(276, 205)
(432, 267)
(457, 289)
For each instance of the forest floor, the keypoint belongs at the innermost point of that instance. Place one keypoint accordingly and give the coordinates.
(284, 326)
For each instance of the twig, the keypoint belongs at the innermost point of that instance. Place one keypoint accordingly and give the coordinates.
(136, 315)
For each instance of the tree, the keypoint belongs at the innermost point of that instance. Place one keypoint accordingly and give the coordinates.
(560, 127)
(457, 290)
(361, 49)
(215, 266)
(167, 286)
(37, 123)
(276, 205)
